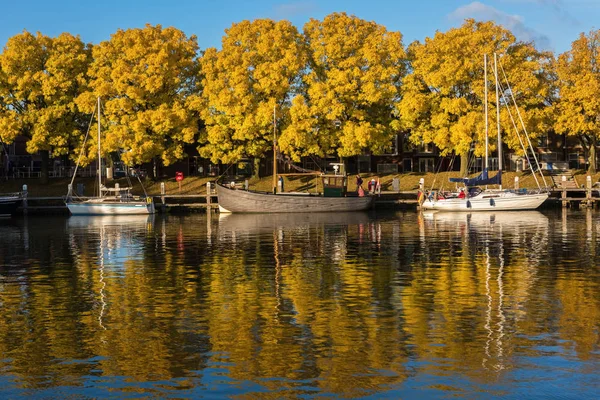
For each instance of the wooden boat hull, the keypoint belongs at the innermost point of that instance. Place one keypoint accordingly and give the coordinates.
(9, 205)
(489, 201)
(110, 208)
(242, 201)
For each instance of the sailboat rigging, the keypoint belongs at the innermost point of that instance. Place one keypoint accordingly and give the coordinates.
(110, 201)
(477, 199)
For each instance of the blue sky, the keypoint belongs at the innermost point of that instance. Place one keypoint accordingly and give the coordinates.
(553, 24)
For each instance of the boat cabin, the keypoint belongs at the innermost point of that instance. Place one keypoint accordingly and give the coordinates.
(334, 185)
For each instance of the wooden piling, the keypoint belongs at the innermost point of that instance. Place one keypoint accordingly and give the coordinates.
(208, 199)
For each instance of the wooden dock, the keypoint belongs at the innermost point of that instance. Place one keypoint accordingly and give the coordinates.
(185, 203)
(189, 203)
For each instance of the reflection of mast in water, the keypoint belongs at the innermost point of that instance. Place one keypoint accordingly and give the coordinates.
(488, 312)
(500, 312)
(501, 318)
(102, 282)
(276, 233)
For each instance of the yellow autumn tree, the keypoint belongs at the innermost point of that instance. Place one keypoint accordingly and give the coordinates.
(578, 112)
(244, 83)
(145, 78)
(40, 77)
(352, 81)
(443, 98)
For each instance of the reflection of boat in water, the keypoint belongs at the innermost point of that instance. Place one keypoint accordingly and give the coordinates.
(117, 239)
(127, 221)
(258, 222)
(483, 218)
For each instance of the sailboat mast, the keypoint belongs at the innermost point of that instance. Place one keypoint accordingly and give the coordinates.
(99, 154)
(485, 107)
(274, 151)
(498, 118)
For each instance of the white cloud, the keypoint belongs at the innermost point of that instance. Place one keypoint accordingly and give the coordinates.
(556, 5)
(514, 23)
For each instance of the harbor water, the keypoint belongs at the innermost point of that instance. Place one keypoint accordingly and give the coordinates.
(361, 305)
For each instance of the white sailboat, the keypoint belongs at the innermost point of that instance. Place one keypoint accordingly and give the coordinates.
(477, 199)
(110, 201)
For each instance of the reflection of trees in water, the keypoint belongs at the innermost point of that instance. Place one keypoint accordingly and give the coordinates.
(342, 307)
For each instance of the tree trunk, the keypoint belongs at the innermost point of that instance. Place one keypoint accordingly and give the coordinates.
(156, 168)
(44, 171)
(592, 158)
(256, 169)
(464, 164)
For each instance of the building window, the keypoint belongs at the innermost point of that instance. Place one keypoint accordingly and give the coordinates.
(387, 168)
(392, 149)
(426, 165)
(364, 163)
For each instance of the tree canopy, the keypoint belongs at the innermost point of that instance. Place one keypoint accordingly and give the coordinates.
(343, 86)
(349, 87)
(578, 72)
(253, 75)
(145, 78)
(443, 98)
(40, 77)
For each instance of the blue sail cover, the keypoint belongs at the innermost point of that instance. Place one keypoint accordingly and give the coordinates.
(481, 179)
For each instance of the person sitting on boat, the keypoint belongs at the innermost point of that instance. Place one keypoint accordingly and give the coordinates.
(461, 195)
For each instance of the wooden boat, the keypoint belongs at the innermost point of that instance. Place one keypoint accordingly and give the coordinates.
(110, 201)
(9, 203)
(334, 198)
(243, 201)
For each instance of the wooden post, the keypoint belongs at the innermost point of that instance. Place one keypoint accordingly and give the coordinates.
(162, 197)
(588, 191)
(208, 197)
(516, 183)
(564, 190)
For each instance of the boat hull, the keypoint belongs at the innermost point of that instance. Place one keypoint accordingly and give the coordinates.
(242, 201)
(110, 208)
(9, 205)
(489, 202)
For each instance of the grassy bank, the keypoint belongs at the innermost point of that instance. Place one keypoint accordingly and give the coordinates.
(197, 185)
